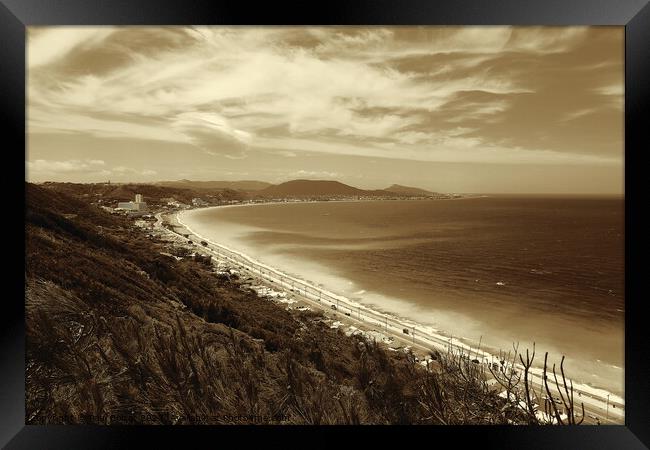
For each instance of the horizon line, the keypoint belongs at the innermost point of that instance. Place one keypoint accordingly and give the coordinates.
(152, 183)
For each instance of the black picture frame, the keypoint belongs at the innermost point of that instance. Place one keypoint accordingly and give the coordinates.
(15, 15)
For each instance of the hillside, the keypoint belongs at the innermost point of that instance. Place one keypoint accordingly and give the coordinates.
(399, 189)
(152, 193)
(244, 185)
(134, 335)
(316, 188)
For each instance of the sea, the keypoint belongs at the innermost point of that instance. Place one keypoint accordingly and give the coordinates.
(501, 271)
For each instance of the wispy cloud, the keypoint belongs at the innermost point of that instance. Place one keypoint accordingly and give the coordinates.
(310, 174)
(69, 166)
(424, 94)
(572, 115)
(130, 170)
(611, 89)
(47, 46)
(56, 170)
(211, 132)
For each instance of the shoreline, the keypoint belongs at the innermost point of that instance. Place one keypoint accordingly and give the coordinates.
(428, 336)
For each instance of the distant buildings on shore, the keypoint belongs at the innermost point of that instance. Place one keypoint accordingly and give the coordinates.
(326, 198)
(199, 202)
(139, 208)
(171, 201)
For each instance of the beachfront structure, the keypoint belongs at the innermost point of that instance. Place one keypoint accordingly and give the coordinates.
(199, 202)
(178, 204)
(137, 205)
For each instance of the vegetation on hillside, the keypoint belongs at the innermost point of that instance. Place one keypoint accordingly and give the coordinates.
(108, 192)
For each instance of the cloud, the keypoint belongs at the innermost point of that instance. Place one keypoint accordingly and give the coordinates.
(51, 45)
(572, 115)
(286, 153)
(87, 168)
(447, 150)
(401, 92)
(103, 126)
(311, 174)
(546, 40)
(41, 169)
(69, 166)
(212, 132)
(614, 93)
(122, 170)
(611, 89)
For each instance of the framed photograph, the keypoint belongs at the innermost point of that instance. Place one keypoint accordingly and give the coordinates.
(239, 219)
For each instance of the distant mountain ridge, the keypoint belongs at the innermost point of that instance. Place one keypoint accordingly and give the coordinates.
(398, 188)
(319, 188)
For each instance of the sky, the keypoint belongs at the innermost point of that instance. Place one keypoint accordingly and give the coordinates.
(488, 109)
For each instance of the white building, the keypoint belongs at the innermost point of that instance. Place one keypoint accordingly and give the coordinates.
(138, 205)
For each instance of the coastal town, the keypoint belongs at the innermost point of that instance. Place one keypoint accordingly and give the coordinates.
(139, 208)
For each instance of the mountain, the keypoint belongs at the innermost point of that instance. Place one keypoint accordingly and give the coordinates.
(317, 188)
(399, 189)
(306, 188)
(244, 185)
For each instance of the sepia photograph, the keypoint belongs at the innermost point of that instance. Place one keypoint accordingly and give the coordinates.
(325, 225)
